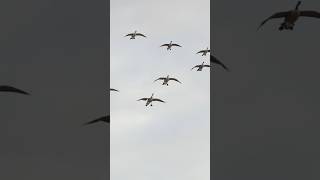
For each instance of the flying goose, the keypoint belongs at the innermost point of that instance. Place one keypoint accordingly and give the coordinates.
(200, 66)
(111, 89)
(166, 80)
(290, 17)
(105, 119)
(150, 100)
(170, 45)
(5, 88)
(204, 52)
(134, 34)
(216, 61)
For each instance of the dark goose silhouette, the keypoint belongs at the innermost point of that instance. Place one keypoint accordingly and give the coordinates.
(105, 119)
(166, 80)
(134, 34)
(111, 89)
(290, 17)
(5, 88)
(216, 61)
(170, 45)
(204, 52)
(150, 100)
(200, 66)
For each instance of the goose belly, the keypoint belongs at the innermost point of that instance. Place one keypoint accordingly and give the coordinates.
(292, 18)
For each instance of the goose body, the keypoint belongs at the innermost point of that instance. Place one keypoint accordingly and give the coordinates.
(216, 61)
(134, 34)
(105, 119)
(204, 52)
(200, 66)
(5, 88)
(150, 100)
(166, 80)
(170, 45)
(290, 17)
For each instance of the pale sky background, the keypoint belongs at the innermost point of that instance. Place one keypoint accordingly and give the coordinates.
(170, 140)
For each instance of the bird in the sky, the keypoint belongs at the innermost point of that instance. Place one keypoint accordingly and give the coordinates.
(170, 45)
(111, 89)
(216, 61)
(134, 34)
(5, 88)
(200, 66)
(105, 119)
(290, 17)
(204, 52)
(150, 100)
(166, 80)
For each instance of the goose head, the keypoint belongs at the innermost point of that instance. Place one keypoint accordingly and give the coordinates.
(167, 76)
(170, 42)
(298, 4)
(202, 64)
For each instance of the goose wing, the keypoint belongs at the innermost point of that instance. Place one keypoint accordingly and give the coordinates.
(174, 79)
(176, 45)
(131, 34)
(215, 60)
(164, 45)
(162, 78)
(143, 99)
(158, 100)
(206, 65)
(105, 119)
(197, 66)
(314, 14)
(111, 89)
(203, 51)
(12, 89)
(139, 34)
(276, 15)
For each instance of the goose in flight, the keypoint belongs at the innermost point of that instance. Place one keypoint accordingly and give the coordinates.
(134, 34)
(150, 100)
(105, 119)
(170, 45)
(5, 88)
(204, 52)
(216, 61)
(111, 89)
(200, 66)
(166, 80)
(290, 17)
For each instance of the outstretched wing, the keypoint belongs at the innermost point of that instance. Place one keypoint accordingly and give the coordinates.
(206, 65)
(215, 60)
(111, 89)
(276, 15)
(139, 34)
(162, 78)
(12, 89)
(314, 14)
(176, 45)
(105, 119)
(174, 79)
(157, 100)
(131, 34)
(197, 66)
(143, 99)
(164, 45)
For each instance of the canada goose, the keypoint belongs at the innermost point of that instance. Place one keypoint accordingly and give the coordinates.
(290, 17)
(170, 45)
(150, 100)
(166, 80)
(216, 61)
(105, 119)
(200, 66)
(5, 88)
(204, 52)
(134, 34)
(111, 89)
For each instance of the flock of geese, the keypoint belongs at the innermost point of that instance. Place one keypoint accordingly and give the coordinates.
(290, 18)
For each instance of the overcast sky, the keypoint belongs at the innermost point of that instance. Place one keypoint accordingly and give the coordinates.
(266, 111)
(170, 140)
